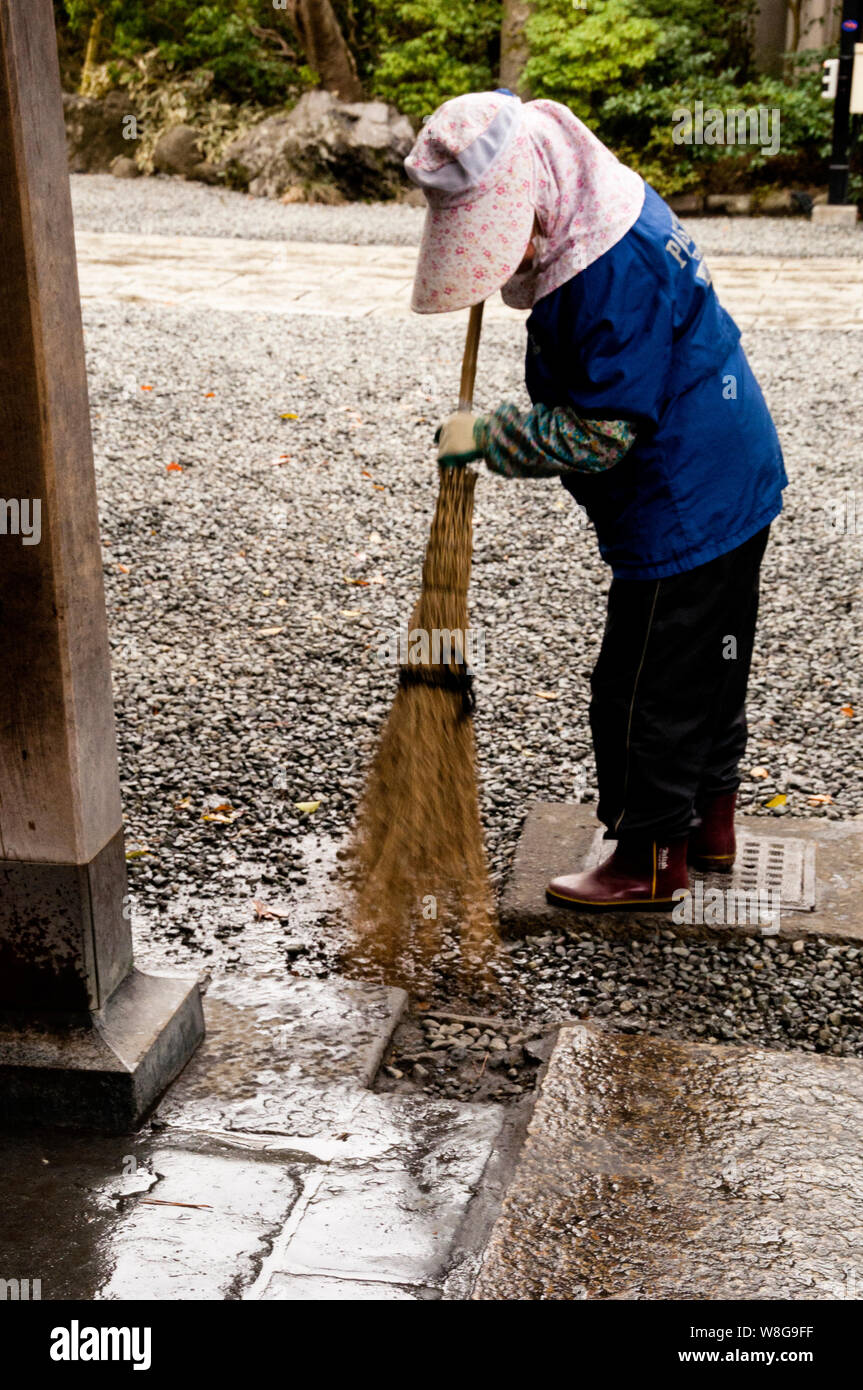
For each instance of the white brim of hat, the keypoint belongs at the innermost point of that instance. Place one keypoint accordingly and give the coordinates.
(468, 251)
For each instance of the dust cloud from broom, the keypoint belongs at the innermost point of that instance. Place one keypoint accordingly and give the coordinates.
(419, 863)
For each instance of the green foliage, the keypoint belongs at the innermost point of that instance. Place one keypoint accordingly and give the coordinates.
(576, 56)
(430, 50)
(223, 37)
(220, 39)
(624, 66)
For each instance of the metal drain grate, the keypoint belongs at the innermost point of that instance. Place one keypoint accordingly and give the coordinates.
(787, 866)
(764, 862)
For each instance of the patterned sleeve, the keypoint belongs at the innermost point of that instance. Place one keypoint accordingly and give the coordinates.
(549, 441)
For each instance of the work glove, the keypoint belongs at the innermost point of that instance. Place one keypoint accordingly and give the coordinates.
(457, 439)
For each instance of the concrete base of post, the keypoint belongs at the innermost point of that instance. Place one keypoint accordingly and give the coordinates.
(834, 214)
(102, 1070)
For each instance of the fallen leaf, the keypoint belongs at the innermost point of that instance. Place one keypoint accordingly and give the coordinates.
(307, 807)
(264, 913)
(778, 800)
(270, 631)
(184, 804)
(759, 772)
(822, 799)
(146, 388)
(546, 694)
(173, 468)
(848, 710)
(364, 583)
(350, 612)
(124, 569)
(289, 416)
(136, 853)
(208, 394)
(224, 814)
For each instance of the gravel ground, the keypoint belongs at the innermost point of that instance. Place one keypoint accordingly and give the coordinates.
(251, 584)
(172, 207)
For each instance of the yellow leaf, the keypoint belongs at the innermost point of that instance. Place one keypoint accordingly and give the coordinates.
(136, 853)
(307, 807)
(778, 800)
(223, 814)
(289, 415)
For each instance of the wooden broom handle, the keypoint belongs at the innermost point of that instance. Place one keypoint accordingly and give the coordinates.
(468, 363)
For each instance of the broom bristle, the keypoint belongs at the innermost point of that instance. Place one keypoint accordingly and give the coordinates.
(418, 850)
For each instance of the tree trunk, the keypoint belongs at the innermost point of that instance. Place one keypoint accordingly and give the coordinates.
(324, 47)
(91, 53)
(514, 50)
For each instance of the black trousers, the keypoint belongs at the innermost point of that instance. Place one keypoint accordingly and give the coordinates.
(669, 691)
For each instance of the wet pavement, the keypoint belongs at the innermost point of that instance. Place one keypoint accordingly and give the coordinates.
(652, 1169)
(268, 1167)
(668, 1170)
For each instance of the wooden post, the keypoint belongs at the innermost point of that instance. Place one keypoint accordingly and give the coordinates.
(65, 942)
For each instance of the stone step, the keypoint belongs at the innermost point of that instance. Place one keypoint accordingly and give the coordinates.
(824, 858)
(660, 1170)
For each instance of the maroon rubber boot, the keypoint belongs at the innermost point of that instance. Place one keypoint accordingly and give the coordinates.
(640, 874)
(712, 846)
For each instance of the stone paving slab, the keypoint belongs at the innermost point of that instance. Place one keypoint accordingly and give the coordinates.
(659, 1170)
(374, 281)
(375, 1216)
(557, 838)
(200, 1251)
(283, 1058)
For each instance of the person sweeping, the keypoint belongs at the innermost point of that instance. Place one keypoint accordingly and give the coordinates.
(646, 408)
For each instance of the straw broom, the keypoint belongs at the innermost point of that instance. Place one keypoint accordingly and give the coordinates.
(418, 850)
